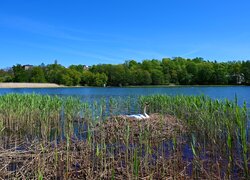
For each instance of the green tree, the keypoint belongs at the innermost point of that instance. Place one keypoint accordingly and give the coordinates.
(6, 75)
(132, 64)
(205, 73)
(65, 79)
(54, 73)
(157, 77)
(75, 76)
(37, 75)
(192, 70)
(87, 78)
(140, 77)
(20, 74)
(79, 68)
(100, 79)
(117, 77)
(166, 69)
(220, 75)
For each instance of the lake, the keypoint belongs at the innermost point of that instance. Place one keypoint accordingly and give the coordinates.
(215, 92)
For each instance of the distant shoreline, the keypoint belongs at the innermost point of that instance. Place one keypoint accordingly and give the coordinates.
(29, 85)
(53, 85)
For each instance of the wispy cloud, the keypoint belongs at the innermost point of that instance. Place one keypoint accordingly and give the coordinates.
(107, 48)
(64, 32)
(192, 52)
(74, 52)
(49, 30)
(145, 53)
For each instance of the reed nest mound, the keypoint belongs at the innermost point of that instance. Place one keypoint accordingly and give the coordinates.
(157, 127)
(83, 164)
(108, 153)
(116, 148)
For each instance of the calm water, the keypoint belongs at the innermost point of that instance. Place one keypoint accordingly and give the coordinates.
(216, 92)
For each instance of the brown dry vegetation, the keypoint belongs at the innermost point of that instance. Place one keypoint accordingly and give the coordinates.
(75, 159)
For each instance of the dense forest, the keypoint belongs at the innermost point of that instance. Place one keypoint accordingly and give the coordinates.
(176, 70)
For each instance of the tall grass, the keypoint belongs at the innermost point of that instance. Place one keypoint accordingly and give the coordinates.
(67, 137)
(220, 125)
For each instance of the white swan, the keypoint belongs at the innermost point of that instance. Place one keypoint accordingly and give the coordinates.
(140, 116)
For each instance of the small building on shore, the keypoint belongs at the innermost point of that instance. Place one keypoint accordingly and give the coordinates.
(237, 78)
(85, 67)
(27, 66)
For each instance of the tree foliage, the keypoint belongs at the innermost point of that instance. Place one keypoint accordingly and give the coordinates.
(175, 70)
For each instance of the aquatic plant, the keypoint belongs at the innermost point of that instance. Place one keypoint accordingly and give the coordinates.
(68, 137)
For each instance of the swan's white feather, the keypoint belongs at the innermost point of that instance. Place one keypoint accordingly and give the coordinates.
(139, 116)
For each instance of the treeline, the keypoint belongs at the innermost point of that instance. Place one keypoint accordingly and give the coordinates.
(148, 72)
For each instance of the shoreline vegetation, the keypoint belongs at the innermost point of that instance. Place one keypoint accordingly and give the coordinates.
(179, 71)
(53, 85)
(186, 137)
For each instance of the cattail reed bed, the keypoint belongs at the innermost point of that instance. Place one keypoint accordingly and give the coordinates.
(186, 137)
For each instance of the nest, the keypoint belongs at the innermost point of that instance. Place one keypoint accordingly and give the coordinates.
(157, 128)
(118, 148)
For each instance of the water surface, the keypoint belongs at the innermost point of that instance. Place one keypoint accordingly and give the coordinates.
(215, 92)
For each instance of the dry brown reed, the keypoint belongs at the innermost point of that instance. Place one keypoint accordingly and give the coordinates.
(85, 163)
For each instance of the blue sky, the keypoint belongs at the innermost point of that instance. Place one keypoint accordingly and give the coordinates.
(112, 31)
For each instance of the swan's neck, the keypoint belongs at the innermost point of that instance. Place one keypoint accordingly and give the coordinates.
(145, 112)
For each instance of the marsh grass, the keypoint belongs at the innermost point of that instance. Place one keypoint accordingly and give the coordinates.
(51, 137)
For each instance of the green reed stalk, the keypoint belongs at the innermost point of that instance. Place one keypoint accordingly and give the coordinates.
(243, 135)
(195, 161)
(67, 155)
(40, 175)
(230, 156)
(136, 164)
(113, 173)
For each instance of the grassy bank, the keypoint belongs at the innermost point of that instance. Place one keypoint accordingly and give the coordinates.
(65, 137)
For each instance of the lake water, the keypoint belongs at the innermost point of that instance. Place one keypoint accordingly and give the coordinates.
(215, 92)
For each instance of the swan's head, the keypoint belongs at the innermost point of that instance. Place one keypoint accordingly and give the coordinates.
(146, 104)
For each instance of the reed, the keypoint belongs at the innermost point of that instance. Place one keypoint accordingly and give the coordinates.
(52, 137)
